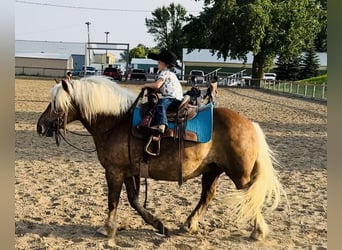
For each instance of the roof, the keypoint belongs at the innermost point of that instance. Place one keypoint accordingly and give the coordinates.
(43, 55)
(205, 56)
(143, 61)
(30, 46)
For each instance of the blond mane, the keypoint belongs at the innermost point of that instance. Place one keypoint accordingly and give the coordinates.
(93, 95)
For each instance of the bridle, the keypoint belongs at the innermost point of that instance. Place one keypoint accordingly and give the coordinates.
(60, 127)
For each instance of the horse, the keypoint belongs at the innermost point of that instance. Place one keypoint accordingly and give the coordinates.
(238, 148)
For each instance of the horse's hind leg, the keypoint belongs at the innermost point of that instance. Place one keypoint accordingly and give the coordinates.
(132, 188)
(209, 184)
(260, 228)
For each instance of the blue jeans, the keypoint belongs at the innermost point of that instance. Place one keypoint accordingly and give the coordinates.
(160, 113)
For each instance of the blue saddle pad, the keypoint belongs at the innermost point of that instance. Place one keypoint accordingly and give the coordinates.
(201, 124)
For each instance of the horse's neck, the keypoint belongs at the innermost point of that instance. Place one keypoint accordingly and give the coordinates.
(104, 125)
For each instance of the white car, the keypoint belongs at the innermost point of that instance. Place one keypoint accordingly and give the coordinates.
(270, 76)
(196, 77)
(88, 71)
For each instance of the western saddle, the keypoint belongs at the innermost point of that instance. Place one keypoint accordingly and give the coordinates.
(178, 114)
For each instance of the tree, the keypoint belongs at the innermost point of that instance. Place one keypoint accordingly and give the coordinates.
(289, 69)
(310, 64)
(137, 52)
(140, 51)
(321, 39)
(166, 26)
(123, 56)
(232, 28)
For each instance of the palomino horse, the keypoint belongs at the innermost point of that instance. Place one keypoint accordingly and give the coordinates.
(237, 148)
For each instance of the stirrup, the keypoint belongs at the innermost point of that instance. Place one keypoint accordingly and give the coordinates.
(156, 142)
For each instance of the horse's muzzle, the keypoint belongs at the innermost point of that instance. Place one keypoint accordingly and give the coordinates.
(46, 129)
(40, 129)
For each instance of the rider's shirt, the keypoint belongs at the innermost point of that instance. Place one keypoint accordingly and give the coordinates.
(171, 87)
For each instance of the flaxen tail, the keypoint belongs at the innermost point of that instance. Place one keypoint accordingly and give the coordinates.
(265, 189)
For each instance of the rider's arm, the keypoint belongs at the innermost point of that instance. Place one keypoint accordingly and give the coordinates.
(154, 85)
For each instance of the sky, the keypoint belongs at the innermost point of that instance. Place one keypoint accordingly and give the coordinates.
(124, 20)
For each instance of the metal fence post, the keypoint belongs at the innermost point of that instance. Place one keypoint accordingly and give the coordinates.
(305, 89)
(314, 90)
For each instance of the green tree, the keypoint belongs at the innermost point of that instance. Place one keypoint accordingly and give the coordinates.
(321, 39)
(137, 52)
(152, 50)
(123, 56)
(289, 69)
(232, 28)
(166, 25)
(310, 64)
(140, 51)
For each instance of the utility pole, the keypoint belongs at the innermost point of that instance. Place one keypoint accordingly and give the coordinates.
(107, 59)
(88, 50)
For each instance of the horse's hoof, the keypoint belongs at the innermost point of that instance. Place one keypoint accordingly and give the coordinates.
(185, 229)
(102, 231)
(258, 236)
(110, 231)
(111, 243)
(164, 232)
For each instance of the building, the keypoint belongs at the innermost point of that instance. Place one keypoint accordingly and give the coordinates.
(50, 54)
(106, 58)
(43, 64)
(149, 65)
(204, 60)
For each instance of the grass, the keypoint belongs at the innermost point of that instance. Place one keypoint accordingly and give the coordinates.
(322, 79)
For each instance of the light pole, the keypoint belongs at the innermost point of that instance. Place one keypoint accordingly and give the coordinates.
(107, 59)
(88, 23)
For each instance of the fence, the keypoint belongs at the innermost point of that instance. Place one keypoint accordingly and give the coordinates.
(307, 90)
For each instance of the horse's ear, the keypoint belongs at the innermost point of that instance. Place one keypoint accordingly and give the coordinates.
(65, 86)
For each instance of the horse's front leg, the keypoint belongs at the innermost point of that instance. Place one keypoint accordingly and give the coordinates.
(209, 184)
(114, 183)
(132, 187)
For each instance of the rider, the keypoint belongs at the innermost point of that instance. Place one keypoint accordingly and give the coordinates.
(68, 76)
(168, 85)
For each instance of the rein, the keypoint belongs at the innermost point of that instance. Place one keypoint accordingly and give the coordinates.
(75, 133)
(140, 96)
(59, 135)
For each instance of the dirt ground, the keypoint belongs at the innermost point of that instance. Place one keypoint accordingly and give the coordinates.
(60, 193)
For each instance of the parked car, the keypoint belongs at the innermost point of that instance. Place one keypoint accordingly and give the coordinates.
(270, 77)
(138, 74)
(196, 77)
(114, 73)
(88, 71)
(76, 72)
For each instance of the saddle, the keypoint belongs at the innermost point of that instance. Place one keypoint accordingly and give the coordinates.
(178, 115)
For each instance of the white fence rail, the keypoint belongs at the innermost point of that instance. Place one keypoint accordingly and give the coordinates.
(307, 90)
